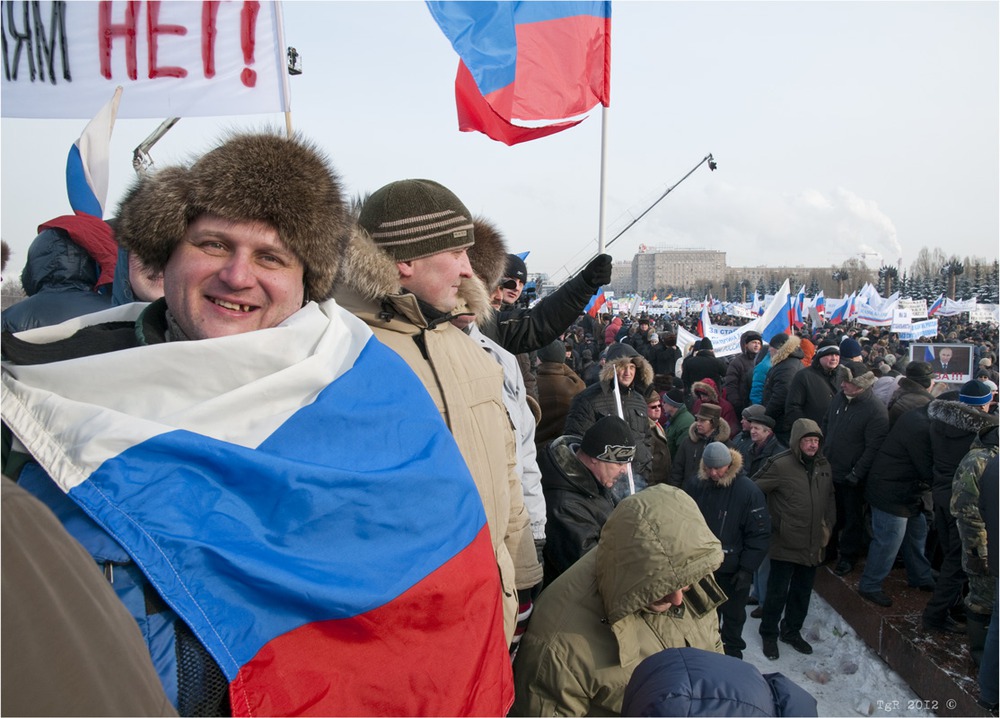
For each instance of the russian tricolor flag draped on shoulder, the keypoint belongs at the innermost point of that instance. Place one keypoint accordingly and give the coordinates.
(527, 61)
(329, 550)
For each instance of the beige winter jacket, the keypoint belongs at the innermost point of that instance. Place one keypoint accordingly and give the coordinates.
(465, 384)
(591, 627)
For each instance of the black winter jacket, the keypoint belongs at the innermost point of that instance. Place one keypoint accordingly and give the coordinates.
(598, 400)
(59, 280)
(785, 364)
(527, 330)
(810, 394)
(576, 506)
(901, 474)
(853, 433)
(953, 427)
(736, 512)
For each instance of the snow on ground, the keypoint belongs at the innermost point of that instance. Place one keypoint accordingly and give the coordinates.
(845, 676)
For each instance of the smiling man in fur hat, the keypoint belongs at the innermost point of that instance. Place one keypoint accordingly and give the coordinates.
(208, 449)
(407, 275)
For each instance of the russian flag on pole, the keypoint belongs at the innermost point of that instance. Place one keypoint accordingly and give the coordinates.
(776, 318)
(704, 320)
(800, 302)
(936, 306)
(87, 171)
(595, 304)
(527, 61)
(819, 303)
(330, 552)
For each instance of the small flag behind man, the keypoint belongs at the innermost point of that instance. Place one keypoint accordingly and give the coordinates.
(87, 165)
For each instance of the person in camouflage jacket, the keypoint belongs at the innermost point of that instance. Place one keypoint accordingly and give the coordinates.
(972, 531)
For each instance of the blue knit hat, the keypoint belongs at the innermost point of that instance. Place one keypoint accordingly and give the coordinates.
(975, 393)
(850, 348)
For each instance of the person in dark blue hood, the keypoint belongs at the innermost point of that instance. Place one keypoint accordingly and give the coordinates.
(693, 682)
(68, 273)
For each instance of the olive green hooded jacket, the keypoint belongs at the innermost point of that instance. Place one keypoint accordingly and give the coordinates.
(592, 627)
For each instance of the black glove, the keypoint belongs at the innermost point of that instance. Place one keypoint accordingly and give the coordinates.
(742, 580)
(598, 272)
(539, 550)
(852, 478)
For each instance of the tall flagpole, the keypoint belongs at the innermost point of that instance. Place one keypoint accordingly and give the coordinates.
(604, 175)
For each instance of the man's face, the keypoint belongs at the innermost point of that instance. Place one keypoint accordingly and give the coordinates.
(753, 346)
(703, 426)
(227, 278)
(759, 433)
(745, 423)
(717, 473)
(496, 298)
(850, 390)
(511, 289)
(626, 373)
(655, 410)
(669, 410)
(607, 473)
(829, 362)
(945, 355)
(669, 601)
(809, 445)
(436, 279)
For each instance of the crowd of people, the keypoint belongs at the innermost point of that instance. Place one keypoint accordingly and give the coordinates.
(567, 515)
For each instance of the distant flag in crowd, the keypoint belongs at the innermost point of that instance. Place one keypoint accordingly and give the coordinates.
(595, 304)
(669, 296)
(757, 307)
(936, 306)
(527, 61)
(839, 312)
(819, 303)
(87, 167)
(403, 618)
(654, 297)
(800, 301)
(704, 320)
(776, 318)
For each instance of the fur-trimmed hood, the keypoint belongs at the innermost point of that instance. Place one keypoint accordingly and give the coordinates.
(961, 417)
(734, 469)
(369, 272)
(788, 349)
(643, 370)
(708, 387)
(721, 434)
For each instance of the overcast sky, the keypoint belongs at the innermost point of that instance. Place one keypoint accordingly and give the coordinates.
(839, 128)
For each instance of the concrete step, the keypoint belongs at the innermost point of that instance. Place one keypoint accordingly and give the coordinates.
(937, 666)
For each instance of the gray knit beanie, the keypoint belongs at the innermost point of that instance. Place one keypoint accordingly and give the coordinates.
(416, 218)
(716, 455)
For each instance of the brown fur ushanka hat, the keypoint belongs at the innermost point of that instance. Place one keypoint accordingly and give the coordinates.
(266, 177)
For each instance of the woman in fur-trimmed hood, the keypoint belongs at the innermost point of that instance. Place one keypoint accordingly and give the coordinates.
(407, 277)
(635, 375)
(707, 391)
